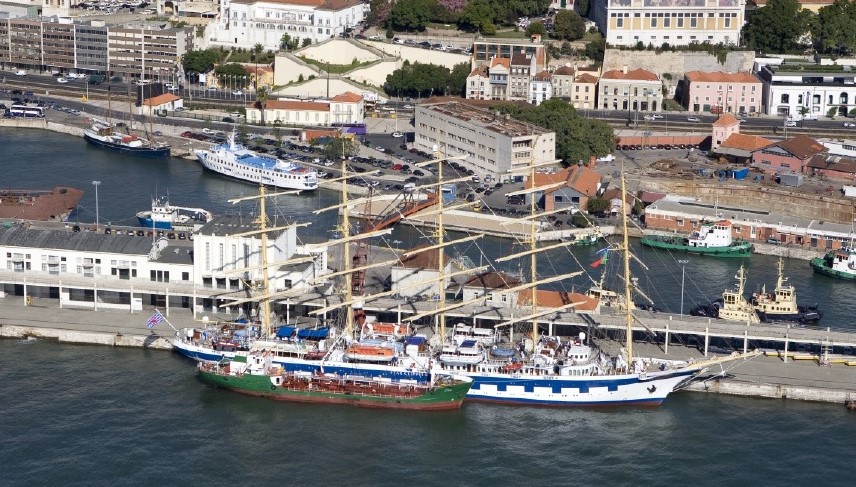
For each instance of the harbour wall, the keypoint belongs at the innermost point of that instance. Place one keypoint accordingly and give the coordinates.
(735, 387)
(86, 337)
(41, 123)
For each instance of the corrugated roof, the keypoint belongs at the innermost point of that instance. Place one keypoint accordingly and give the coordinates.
(43, 238)
(721, 77)
(801, 146)
(492, 280)
(833, 163)
(229, 225)
(427, 259)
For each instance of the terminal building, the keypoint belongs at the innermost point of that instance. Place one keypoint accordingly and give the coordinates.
(131, 268)
(494, 144)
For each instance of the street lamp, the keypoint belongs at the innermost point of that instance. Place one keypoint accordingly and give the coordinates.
(683, 274)
(96, 184)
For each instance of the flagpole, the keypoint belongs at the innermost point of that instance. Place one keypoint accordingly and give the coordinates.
(166, 320)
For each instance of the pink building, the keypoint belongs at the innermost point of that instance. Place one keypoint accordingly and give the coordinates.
(720, 92)
(722, 130)
(791, 155)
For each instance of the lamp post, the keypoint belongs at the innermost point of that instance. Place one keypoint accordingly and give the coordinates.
(96, 184)
(683, 274)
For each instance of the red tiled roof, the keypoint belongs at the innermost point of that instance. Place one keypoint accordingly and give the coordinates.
(297, 105)
(348, 97)
(160, 100)
(638, 74)
(580, 178)
(586, 78)
(749, 143)
(500, 61)
(479, 71)
(649, 197)
(721, 77)
(802, 146)
(565, 71)
(543, 76)
(726, 120)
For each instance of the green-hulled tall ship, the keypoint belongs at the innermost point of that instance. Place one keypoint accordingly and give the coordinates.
(255, 374)
(713, 239)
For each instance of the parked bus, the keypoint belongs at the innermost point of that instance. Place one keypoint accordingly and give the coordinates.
(352, 128)
(26, 111)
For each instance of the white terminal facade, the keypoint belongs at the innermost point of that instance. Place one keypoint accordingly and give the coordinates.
(122, 271)
(245, 23)
(494, 144)
(795, 89)
(676, 22)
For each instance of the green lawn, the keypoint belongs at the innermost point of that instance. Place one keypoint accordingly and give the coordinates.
(335, 68)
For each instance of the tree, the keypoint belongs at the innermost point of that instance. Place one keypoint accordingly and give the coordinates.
(243, 133)
(536, 28)
(569, 25)
(778, 26)
(477, 17)
(306, 42)
(831, 112)
(409, 15)
(458, 79)
(597, 205)
(834, 27)
(417, 79)
(583, 7)
(579, 220)
(232, 71)
(261, 101)
(277, 134)
(289, 43)
(577, 138)
(595, 50)
(390, 33)
(200, 61)
(338, 148)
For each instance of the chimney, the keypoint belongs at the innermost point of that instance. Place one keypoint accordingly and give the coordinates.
(624, 69)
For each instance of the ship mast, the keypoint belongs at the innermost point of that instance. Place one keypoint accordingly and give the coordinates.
(533, 244)
(346, 249)
(265, 278)
(441, 268)
(628, 293)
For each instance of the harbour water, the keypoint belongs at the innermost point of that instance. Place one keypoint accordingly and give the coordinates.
(98, 416)
(86, 415)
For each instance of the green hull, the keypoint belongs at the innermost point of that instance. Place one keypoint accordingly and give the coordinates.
(821, 266)
(736, 249)
(441, 397)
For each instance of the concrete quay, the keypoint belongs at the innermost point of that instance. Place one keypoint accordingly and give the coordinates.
(760, 377)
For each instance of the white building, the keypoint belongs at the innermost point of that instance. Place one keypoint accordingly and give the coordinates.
(419, 274)
(245, 23)
(345, 108)
(493, 286)
(676, 22)
(494, 144)
(167, 102)
(794, 89)
(125, 270)
(540, 88)
(634, 91)
(478, 86)
(840, 147)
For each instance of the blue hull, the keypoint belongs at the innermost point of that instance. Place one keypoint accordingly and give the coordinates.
(144, 152)
(148, 223)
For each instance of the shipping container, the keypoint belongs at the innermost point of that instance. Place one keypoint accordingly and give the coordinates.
(795, 180)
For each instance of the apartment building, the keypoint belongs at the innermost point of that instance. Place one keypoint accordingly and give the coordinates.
(676, 22)
(144, 53)
(541, 88)
(720, 92)
(638, 90)
(478, 85)
(563, 80)
(493, 143)
(584, 89)
(485, 50)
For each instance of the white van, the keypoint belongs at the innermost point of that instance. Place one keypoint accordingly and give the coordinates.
(21, 72)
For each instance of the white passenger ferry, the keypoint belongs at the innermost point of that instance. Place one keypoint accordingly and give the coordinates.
(234, 160)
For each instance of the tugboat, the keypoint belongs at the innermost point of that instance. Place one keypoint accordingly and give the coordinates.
(732, 306)
(781, 304)
(164, 216)
(713, 238)
(840, 264)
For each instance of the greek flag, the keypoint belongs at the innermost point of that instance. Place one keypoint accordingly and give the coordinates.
(155, 319)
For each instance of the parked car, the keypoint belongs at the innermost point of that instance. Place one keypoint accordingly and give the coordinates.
(773, 241)
(397, 134)
(849, 125)
(61, 80)
(790, 123)
(693, 119)
(228, 119)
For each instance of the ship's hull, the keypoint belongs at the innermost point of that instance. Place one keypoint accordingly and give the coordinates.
(820, 265)
(249, 175)
(145, 152)
(737, 249)
(149, 223)
(806, 316)
(443, 397)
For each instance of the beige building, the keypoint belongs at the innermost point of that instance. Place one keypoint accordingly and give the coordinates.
(146, 53)
(563, 81)
(345, 108)
(634, 91)
(584, 91)
(494, 144)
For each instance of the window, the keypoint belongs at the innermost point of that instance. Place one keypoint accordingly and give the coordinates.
(786, 98)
